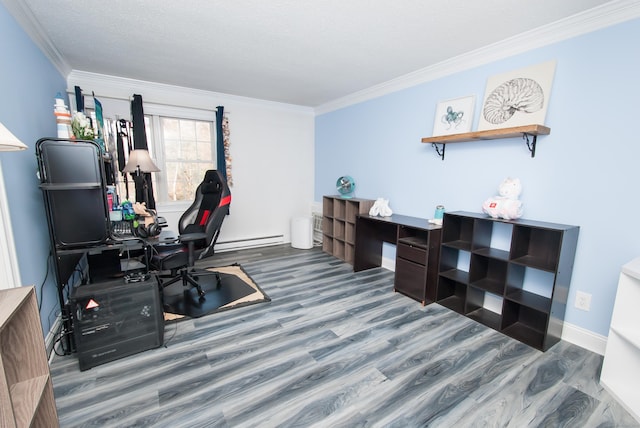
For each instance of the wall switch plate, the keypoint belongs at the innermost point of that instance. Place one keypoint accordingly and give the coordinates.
(583, 300)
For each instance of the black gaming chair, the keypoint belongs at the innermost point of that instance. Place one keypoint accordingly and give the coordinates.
(199, 228)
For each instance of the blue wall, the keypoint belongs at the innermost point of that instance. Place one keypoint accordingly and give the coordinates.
(28, 85)
(585, 173)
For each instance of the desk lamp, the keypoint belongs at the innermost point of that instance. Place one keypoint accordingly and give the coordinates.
(9, 142)
(139, 163)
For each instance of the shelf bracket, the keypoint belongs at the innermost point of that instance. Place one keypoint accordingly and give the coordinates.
(440, 153)
(530, 145)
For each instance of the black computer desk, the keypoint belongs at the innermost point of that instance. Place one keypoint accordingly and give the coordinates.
(417, 251)
(67, 260)
(372, 231)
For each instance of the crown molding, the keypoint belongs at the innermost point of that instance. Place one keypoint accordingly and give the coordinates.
(585, 22)
(25, 18)
(108, 86)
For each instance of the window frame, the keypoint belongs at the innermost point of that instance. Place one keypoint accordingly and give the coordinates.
(155, 141)
(10, 275)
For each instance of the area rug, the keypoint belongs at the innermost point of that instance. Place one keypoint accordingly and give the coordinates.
(237, 289)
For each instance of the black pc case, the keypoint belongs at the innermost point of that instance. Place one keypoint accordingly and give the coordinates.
(115, 319)
(73, 184)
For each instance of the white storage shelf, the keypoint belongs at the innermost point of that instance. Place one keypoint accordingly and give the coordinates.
(621, 366)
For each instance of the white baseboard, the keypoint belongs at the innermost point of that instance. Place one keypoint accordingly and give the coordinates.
(249, 243)
(584, 338)
(52, 335)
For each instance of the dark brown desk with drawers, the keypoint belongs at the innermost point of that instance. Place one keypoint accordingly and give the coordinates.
(417, 251)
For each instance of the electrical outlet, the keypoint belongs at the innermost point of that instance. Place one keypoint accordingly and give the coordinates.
(583, 300)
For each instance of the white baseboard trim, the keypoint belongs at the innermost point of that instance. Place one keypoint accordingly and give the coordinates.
(584, 338)
(50, 340)
(249, 243)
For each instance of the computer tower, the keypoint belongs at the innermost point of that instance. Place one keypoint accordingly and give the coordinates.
(74, 189)
(115, 319)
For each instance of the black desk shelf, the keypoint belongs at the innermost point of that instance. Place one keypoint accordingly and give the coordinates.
(532, 314)
(72, 181)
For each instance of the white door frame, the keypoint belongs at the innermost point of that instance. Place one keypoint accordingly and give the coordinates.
(9, 269)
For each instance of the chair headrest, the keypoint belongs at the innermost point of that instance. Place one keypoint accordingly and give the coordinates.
(211, 182)
(208, 188)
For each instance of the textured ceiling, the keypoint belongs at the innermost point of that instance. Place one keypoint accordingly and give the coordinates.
(305, 52)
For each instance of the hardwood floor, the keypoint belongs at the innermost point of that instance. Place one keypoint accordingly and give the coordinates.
(335, 348)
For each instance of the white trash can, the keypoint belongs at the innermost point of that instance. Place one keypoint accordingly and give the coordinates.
(302, 232)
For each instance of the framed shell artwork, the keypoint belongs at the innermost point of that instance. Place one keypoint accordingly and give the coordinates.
(454, 116)
(517, 98)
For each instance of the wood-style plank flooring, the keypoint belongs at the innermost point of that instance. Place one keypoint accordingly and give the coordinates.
(335, 348)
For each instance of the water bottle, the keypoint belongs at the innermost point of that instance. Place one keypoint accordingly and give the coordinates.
(63, 118)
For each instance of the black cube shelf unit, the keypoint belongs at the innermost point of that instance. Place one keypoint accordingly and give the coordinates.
(512, 276)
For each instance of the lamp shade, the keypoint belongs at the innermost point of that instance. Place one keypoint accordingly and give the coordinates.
(139, 160)
(9, 142)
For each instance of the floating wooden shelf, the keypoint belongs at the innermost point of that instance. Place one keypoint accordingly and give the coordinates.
(491, 134)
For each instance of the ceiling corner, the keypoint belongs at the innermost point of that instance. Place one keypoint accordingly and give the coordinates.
(25, 18)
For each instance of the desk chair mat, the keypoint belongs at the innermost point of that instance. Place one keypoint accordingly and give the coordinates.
(178, 300)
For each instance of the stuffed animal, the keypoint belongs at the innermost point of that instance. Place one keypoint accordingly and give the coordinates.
(381, 208)
(506, 205)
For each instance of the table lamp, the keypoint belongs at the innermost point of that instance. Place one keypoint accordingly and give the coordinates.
(9, 142)
(140, 163)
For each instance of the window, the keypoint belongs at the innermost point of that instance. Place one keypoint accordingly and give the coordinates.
(183, 145)
(188, 153)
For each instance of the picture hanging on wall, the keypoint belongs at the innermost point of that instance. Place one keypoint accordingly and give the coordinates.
(517, 98)
(454, 116)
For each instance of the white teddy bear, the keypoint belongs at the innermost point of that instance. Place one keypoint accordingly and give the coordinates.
(381, 208)
(506, 205)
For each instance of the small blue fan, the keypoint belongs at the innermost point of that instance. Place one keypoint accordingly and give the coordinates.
(346, 186)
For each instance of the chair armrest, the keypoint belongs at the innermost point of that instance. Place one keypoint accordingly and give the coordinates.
(190, 237)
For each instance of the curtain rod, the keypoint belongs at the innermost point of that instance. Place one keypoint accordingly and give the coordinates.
(73, 94)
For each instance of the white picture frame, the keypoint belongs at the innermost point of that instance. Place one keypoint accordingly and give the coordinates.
(517, 98)
(454, 116)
